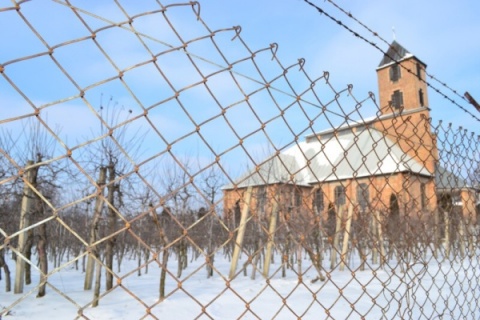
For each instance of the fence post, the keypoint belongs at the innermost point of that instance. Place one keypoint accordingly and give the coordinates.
(336, 237)
(271, 241)
(374, 230)
(241, 233)
(92, 250)
(447, 233)
(380, 238)
(346, 237)
(461, 236)
(25, 211)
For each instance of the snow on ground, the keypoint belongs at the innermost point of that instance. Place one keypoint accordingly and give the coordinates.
(441, 290)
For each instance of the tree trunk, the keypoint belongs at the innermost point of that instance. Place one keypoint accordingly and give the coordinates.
(25, 213)
(4, 265)
(42, 257)
(147, 257)
(163, 273)
(98, 284)
(111, 226)
(210, 249)
(164, 243)
(182, 258)
(93, 250)
(28, 257)
(111, 216)
(139, 262)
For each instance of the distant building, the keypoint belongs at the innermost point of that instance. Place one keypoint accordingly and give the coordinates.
(388, 163)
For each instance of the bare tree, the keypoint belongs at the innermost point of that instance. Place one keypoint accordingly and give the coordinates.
(116, 148)
(29, 152)
(212, 180)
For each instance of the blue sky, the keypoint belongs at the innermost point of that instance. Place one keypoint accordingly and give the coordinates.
(442, 35)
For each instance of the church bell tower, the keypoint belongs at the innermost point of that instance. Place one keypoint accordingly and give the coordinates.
(401, 81)
(403, 103)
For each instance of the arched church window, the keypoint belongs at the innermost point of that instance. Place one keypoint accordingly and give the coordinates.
(318, 202)
(261, 199)
(297, 198)
(394, 207)
(339, 195)
(363, 196)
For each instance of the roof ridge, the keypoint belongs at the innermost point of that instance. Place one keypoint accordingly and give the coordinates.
(395, 52)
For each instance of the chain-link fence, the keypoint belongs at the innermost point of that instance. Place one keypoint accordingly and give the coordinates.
(154, 168)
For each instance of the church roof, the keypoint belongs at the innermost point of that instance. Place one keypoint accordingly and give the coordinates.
(346, 155)
(447, 180)
(396, 52)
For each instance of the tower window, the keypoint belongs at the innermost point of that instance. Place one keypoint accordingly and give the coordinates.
(395, 72)
(397, 99)
(419, 71)
(420, 98)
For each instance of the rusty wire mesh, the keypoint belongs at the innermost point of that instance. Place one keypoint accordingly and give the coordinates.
(178, 173)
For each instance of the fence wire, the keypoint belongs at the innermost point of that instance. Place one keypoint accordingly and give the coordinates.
(154, 168)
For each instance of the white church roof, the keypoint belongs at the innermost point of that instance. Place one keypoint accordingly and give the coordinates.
(342, 156)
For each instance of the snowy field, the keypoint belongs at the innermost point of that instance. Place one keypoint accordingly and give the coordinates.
(445, 290)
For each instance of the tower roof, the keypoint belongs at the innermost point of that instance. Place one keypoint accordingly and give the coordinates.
(395, 52)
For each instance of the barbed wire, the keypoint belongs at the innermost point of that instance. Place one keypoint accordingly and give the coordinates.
(385, 53)
(376, 34)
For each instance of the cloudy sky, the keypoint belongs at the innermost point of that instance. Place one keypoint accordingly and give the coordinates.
(444, 36)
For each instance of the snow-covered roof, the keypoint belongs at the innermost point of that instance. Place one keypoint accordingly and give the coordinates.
(346, 155)
(447, 180)
(352, 123)
(395, 53)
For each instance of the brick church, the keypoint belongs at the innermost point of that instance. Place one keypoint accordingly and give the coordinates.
(388, 164)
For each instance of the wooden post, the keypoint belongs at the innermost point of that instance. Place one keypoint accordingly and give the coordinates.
(461, 236)
(111, 227)
(380, 238)
(271, 241)
(346, 237)
(25, 212)
(436, 234)
(471, 238)
(240, 233)
(374, 230)
(336, 237)
(447, 234)
(93, 252)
